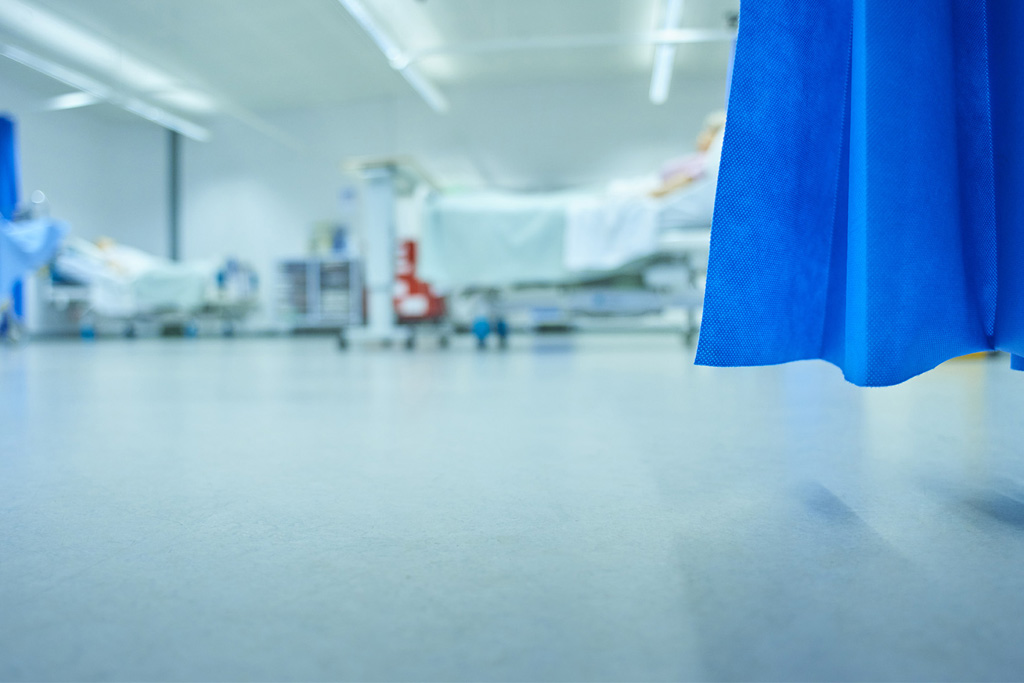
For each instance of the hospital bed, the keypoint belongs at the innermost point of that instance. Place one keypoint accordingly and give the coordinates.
(624, 258)
(572, 260)
(108, 282)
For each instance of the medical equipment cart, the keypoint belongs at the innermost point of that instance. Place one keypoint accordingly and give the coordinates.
(322, 294)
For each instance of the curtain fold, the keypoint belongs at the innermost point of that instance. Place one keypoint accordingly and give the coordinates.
(869, 208)
(8, 169)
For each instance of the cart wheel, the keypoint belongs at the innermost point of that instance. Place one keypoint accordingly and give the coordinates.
(342, 342)
(410, 342)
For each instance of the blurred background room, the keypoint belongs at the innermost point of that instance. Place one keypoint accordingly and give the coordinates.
(354, 340)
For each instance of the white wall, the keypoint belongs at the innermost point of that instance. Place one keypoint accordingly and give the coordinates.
(253, 197)
(104, 173)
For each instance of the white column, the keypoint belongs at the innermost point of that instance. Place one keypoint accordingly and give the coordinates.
(379, 225)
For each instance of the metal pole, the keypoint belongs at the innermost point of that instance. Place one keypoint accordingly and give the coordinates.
(174, 194)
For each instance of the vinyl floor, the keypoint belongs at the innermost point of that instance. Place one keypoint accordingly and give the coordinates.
(589, 508)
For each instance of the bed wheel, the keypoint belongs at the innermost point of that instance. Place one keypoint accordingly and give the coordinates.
(342, 341)
(481, 330)
(410, 342)
(130, 332)
(501, 329)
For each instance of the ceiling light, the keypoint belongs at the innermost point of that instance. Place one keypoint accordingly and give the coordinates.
(427, 90)
(99, 56)
(398, 60)
(53, 33)
(665, 54)
(102, 92)
(72, 100)
(56, 71)
(363, 18)
(188, 100)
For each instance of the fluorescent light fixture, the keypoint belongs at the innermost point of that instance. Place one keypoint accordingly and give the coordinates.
(57, 36)
(53, 33)
(427, 90)
(661, 75)
(101, 92)
(187, 100)
(98, 56)
(72, 100)
(56, 71)
(678, 36)
(665, 54)
(396, 57)
(363, 18)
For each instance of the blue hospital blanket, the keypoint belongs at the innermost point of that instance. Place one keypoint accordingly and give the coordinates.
(870, 206)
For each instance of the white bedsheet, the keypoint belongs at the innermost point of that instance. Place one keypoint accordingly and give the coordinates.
(493, 239)
(125, 282)
(691, 207)
(496, 239)
(603, 233)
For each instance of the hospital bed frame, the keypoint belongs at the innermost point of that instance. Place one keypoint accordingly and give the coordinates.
(598, 301)
(74, 299)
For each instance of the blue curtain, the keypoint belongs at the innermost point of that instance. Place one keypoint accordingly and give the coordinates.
(870, 207)
(8, 169)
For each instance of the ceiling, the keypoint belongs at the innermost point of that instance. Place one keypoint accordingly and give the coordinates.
(269, 54)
